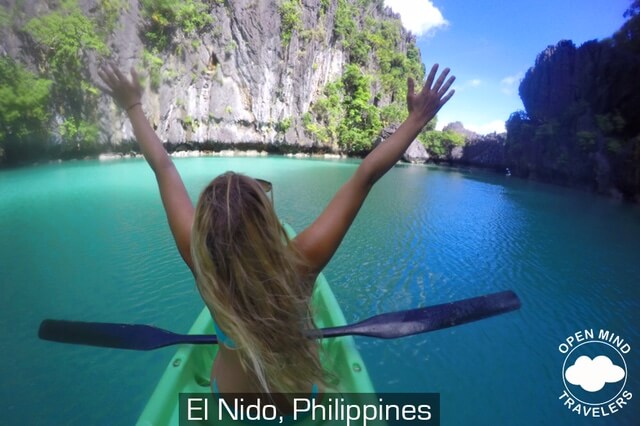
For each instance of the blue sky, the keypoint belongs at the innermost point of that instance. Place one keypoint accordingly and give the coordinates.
(489, 45)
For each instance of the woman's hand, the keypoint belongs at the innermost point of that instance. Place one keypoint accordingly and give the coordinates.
(126, 93)
(424, 105)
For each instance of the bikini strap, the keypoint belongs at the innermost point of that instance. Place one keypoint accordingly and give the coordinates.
(214, 387)
(223, 338)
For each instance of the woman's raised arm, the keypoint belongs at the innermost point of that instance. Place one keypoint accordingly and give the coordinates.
(177, 204)
(321, 239)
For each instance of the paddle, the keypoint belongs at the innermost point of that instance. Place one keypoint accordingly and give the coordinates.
(386, 326)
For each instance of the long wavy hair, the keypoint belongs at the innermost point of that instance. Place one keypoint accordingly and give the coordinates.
(252, 280)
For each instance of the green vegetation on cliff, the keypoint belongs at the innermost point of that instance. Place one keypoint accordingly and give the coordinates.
(63, 39)
(346, 115)
(62, 43)
(361, 122)
(24, 111)
(291, 19)
(163, 19)
(439, 144)
(170, 27)
(5, 17)
(52, 110)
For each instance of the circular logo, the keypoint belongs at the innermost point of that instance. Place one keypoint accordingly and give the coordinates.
(594, 373)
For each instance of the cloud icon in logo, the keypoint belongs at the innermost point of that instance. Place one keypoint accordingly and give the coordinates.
(592, 374)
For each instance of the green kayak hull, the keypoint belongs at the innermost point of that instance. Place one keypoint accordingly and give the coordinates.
(189, 369)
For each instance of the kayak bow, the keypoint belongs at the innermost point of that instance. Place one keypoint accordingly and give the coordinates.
(190, 367)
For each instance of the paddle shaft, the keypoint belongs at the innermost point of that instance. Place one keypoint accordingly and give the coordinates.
(385, 326)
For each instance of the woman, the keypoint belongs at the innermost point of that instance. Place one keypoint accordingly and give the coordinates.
(255, 281)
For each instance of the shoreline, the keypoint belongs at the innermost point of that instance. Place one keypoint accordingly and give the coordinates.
(222, 153)
(253, 153)
(129, 150)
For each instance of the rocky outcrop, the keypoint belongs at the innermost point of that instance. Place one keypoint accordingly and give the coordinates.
(415, 154)
(458, 127)
(580, 127)
(486, 151)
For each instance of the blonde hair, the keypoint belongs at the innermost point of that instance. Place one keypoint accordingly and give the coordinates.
(250, 277)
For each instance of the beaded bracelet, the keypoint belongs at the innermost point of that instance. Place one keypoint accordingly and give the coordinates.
(137, 103)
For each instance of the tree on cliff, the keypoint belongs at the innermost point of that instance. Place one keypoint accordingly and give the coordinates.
(24, 112)
(629, 34)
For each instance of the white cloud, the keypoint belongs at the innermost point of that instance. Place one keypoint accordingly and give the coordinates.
(493, 126)
(509, 85)
(592, 374)
(469, 84)
(418, 16)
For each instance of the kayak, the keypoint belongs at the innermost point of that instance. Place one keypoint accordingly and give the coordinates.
(189, 369)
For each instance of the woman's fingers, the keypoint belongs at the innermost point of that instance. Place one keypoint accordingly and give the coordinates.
(448, 84)
(104, 90)
(438, 85)
(118, 74)
(446, 98)
(136, 80)
(112, 76)
(124, 90)
(432, 75)
(410, 86)
(106, 76)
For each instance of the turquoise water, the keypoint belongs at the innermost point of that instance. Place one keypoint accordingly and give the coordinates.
(89, 241)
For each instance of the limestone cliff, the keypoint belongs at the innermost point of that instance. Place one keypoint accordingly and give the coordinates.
(230, 72)
(580, 127)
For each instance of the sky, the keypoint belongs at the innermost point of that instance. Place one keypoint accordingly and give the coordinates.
(490, 44)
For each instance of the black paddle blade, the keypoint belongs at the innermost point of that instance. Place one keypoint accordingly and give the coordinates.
(430, 318)
(119, 336)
